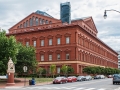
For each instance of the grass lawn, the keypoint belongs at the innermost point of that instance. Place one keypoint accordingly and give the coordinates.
(40, 80)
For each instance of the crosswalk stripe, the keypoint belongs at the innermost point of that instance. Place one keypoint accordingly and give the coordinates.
(79, 88)
(102, 89)
(90, 89)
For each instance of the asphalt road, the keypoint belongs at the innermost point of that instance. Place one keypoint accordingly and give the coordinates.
(98, 84)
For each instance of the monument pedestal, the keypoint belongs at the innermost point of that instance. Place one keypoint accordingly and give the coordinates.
(10, 79)
(10, 73)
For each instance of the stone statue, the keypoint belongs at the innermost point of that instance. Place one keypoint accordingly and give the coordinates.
(11, 66)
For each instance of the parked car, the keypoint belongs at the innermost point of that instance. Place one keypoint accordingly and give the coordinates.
(102, 77)
(60, 80)
(88, 77)
(116, 78)
(97, 77)
(110, 76)
(81, 78)
(72, 79)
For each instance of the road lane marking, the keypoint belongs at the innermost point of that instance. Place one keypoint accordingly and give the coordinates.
(79, 88)
(90, 89)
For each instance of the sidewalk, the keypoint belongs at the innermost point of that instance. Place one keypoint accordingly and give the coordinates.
(20, 82)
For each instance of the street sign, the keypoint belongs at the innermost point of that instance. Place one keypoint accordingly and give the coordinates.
(25, 68)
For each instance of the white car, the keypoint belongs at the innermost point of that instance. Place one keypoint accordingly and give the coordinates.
(102, 76)
(88, 77)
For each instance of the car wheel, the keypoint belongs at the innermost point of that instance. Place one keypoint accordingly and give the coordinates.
(113, 83)
(61, 82)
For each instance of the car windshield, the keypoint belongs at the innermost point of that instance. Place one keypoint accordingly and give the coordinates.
(58, 78)
(116, 75)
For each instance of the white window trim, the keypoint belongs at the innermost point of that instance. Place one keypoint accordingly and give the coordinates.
(34, 43)
(67, 40)
(58, 58)
(67, 55)
(58, 40)
(42, 42)
(50, 57)
(50, 41)
(42, 57)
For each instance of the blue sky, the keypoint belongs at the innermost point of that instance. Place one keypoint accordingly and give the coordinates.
(12, 11)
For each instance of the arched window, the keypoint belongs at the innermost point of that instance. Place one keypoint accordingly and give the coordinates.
(21, 26)
(36, 21)
(50, 22)
(27, 23)
(43, 21)
(46, 21)
(18, 27)
(30, 22)
(24, 24)
(40, 21)
(33, 20)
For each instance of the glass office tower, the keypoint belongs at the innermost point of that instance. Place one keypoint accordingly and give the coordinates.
(65, 12)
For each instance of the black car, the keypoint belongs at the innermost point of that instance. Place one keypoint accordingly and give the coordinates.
(116, 78)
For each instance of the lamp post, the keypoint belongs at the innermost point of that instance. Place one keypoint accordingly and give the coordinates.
(105, 12)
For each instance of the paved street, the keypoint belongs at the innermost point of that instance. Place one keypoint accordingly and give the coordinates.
(99, 84)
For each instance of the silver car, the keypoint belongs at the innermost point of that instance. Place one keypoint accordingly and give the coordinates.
(88, 77)
(81, 78)
(116, 78)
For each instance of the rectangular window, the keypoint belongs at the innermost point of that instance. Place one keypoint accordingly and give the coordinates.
(42, 42)
(67, 56)
(50, 57)
(58, 70)
(42, 57)
(27, 43)
(58, 40)
(34, 43)
(50, 41)
(58, 56)
(67, 40)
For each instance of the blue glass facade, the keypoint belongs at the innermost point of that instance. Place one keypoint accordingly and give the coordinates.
(65, 12)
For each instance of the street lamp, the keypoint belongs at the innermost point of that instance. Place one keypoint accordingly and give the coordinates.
(105, 15)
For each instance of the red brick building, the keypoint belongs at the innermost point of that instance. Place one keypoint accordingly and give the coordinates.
(75, 44)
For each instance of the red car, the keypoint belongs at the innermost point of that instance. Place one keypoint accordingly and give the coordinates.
(60, 80)
(72, 79)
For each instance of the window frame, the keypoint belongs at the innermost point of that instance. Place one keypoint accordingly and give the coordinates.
(50, 41)
(67, 40)
(41, 57)
(42, 42)
(67, 56)
(50, 57)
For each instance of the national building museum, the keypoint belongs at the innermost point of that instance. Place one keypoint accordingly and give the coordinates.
(64, 41)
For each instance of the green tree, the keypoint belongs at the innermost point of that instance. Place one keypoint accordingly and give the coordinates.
(87, 70)
(70, 70)
(64, 69)
(8, 48)
(40, 70)
(53, 69)
(26, 56)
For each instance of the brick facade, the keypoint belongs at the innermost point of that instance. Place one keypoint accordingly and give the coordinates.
(75, 44)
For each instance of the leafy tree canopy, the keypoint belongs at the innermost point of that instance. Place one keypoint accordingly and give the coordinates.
(8, 48)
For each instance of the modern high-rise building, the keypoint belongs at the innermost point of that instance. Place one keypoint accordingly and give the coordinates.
(65, 12)
(75, 44)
